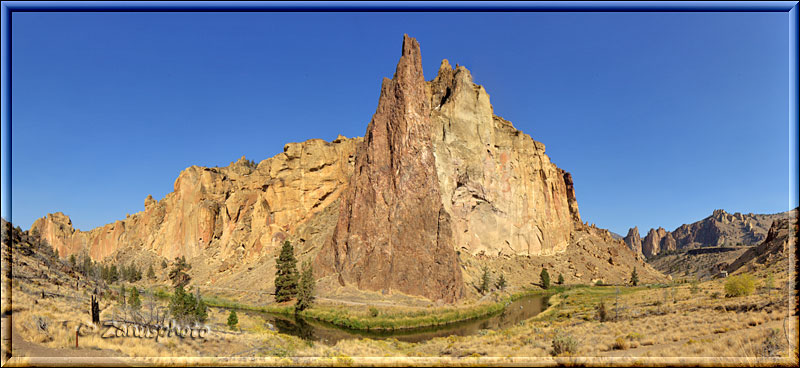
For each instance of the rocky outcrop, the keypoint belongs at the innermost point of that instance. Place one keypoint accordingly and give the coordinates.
(234, 212)
(779, 245)
(652, 243)
(719, 229)
(503, 194)
(393, 231)
(634, 241)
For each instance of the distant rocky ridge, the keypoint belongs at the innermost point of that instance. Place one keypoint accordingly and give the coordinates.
(719, 229)
(437, 174)
(781, 241)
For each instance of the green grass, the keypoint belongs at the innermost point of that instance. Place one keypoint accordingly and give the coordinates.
(386, 318)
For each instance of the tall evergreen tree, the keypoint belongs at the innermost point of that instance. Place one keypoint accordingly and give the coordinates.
(151, 273)
(545, 278)
(178, 273)
(134, 301)
(286, 274)
(501, 282)
(485, 280)
(305, 291)
(560, 279)
(634, 277)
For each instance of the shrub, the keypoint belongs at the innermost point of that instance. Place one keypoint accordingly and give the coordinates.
(233, 320)
(602, 311)
(620, 344)
(563, 343)
(373, 311)
(695, 287)
(740, 285)
(560, 279)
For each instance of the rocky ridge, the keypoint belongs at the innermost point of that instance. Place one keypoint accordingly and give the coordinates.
(437, 175)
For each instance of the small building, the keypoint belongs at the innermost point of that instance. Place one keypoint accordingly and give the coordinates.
(723, 273)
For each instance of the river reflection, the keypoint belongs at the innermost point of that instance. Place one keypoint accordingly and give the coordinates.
(328, 333)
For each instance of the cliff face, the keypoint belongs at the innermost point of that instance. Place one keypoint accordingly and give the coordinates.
(779, 245)
(393, 231)
(634, 241)
(437, 173)
(500, 189)
(719, 229)
(235, 211)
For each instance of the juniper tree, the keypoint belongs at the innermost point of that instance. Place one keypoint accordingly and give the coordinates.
(134, 302)
(232, 320)
(545, 278)
(151, 274)
(501, 282)
(634, 277)
(485, 280)
(178, 273)
(560, 279)
(286, 274)
(305, 291)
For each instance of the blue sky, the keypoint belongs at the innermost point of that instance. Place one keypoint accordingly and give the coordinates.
(660, 117)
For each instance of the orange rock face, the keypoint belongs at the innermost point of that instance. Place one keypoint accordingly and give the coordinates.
(393, 232)
(437, 172)
(237, 211)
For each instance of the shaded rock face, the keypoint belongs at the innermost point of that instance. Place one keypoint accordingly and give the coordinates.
(780, 244)
(503, 194)
(634, 241)
(393, 232)
(719, 229)
(235, 212)
(652, 243)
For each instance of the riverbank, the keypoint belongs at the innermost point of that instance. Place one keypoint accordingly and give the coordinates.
(382, 318)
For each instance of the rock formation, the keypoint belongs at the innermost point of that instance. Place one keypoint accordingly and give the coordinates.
(437, 176)
(392, 230)
(236, 211)
(719, 229)
(634, 241)
(780, 244)
(502, 192)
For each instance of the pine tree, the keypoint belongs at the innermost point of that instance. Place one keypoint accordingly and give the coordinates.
(305, 292)
(151, 274)
(122, 295)
(634, 277)
(200, 309)
(545, 278)
(72, 260)
(560, 279)
(232, 320)
(485, 280)
(286, 274)
(501, 282)
(134, 301)
(178, 273)
(163, 263)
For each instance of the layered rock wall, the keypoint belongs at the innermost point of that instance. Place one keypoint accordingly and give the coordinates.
(393, 232)
(238, 210)
(503, 194)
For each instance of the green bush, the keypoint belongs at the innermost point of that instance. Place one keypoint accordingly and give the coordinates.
(740, 285)
(233, 320)
(545, 278)
(563, 343)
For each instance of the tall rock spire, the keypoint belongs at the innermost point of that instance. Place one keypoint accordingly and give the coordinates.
(392, 231)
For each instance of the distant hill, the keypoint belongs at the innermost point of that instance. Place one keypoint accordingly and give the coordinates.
(720, 229)
(725, 242)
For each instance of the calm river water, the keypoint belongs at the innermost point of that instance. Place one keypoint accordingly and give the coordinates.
(327, 333)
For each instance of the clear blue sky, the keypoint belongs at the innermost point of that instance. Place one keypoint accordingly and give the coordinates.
(660, 117)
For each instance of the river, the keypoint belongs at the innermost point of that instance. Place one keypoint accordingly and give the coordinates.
(328, 333)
